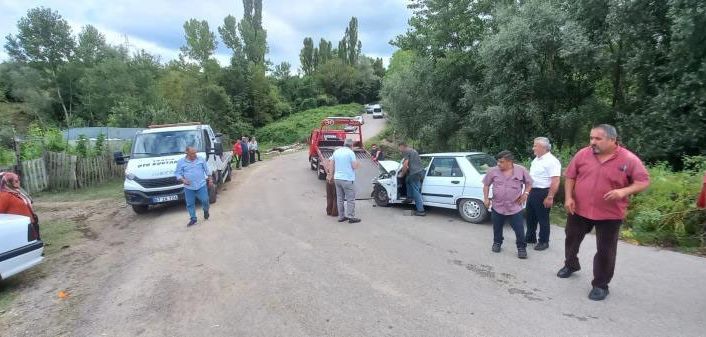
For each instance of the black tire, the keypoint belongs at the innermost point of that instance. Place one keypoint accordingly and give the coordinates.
(321, 175)
(472, 210)
(312, 166)
(380, 196)
(212, 192)
(140, 209)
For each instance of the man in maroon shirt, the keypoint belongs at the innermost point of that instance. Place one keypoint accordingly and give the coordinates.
(511, 185)
(599, 180)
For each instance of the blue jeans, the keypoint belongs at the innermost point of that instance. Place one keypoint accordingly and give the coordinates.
(414, 190)
(517, 223)
(191, 195)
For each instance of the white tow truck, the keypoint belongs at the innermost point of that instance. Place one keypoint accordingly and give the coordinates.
(149, 173)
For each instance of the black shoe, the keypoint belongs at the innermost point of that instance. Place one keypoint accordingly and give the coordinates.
(206, 215)
(522, 252)
(496, 248)
(566, 272)
(598, 294)
(420, 213)
(191, 223)
(407, 201)
(541, 246)
(353, 220)
(342, 219)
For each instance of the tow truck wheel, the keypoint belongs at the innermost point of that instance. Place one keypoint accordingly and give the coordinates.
(140, 209)
(320, 172)
(312, 165)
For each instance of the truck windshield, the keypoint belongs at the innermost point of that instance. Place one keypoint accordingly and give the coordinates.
(158, 144)
(482, 162)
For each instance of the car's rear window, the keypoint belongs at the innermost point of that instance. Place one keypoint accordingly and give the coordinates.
(482, 162)
(377, 110)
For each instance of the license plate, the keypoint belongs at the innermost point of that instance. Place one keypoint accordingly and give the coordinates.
(166, 198)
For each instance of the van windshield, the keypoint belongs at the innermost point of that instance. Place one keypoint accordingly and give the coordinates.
(148, 145)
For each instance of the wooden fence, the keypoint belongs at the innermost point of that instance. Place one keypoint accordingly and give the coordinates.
(61, 171)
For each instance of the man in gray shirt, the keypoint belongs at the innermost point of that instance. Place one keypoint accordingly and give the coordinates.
(413, 171)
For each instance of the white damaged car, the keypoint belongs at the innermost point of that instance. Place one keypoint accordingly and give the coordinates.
(20, 245)
(451, 180)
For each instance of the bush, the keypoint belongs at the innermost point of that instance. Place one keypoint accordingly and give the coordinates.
(666, 213)
(297, 127)
(7, 156)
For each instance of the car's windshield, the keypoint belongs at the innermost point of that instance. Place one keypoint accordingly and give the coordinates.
(148, 145)
(481, 162)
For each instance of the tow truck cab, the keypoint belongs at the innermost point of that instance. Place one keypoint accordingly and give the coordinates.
(149, 173)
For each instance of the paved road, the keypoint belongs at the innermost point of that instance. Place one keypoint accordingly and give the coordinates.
(271, 263)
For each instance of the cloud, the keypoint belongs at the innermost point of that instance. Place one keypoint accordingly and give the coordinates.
(156, 26)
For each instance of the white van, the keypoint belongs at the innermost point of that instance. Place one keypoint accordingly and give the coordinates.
(149, 175)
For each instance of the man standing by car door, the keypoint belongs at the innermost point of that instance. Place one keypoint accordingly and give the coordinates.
(599, 180)
(344, 165)
(193, 172)
(545, 172)
(413, 171)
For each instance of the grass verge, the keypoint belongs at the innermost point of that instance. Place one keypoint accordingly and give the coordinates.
(112, 189)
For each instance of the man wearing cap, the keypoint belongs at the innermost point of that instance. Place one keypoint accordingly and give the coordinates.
(344, 165)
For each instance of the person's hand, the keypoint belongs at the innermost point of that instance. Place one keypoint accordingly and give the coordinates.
(548, 202)
(522, 199)
(185, 181)
(570, 206)
(486, 202)
(617, 194)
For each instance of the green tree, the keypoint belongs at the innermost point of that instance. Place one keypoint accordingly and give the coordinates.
(229, 34)
(200, 41)
(254, 37)
(43, 41)
(306, 57)
(91, 47)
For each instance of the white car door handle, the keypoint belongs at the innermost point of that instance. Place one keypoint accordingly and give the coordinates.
(455, 181)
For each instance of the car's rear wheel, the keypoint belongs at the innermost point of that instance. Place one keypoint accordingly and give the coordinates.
(472, 210)
(380, 196)
(311, 164)
(230, 174)
(140, 209)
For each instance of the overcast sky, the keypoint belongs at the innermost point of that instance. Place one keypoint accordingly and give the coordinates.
(156, 25)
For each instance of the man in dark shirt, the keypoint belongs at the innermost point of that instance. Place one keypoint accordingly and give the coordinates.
(413, 171)
(376, 153)
(245, 159)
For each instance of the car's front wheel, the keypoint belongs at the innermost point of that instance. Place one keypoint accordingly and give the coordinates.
(380, 196)
(472, 210)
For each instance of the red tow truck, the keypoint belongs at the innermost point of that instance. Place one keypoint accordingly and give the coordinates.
(329, 136)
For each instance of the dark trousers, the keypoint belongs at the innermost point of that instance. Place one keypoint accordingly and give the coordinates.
(517, 223)
(258, 155)
(607, 232)
(245, 158)
(252, 156)
(537, 213)
(331, 206)
(236, 158)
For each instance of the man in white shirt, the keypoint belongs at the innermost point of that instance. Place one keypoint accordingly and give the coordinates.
(344, 165)
(545, 172)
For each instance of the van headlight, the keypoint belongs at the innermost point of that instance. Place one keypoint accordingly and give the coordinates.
(129, 176)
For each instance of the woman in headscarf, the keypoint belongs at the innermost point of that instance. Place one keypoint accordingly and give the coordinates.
(701, 201)
(12, 198)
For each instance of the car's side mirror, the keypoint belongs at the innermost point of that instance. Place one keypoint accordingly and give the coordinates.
(218, 149)
(119, 158)
(393, 172)
(219, 135)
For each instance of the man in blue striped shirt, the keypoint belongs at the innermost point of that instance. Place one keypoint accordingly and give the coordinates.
(193, 172)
